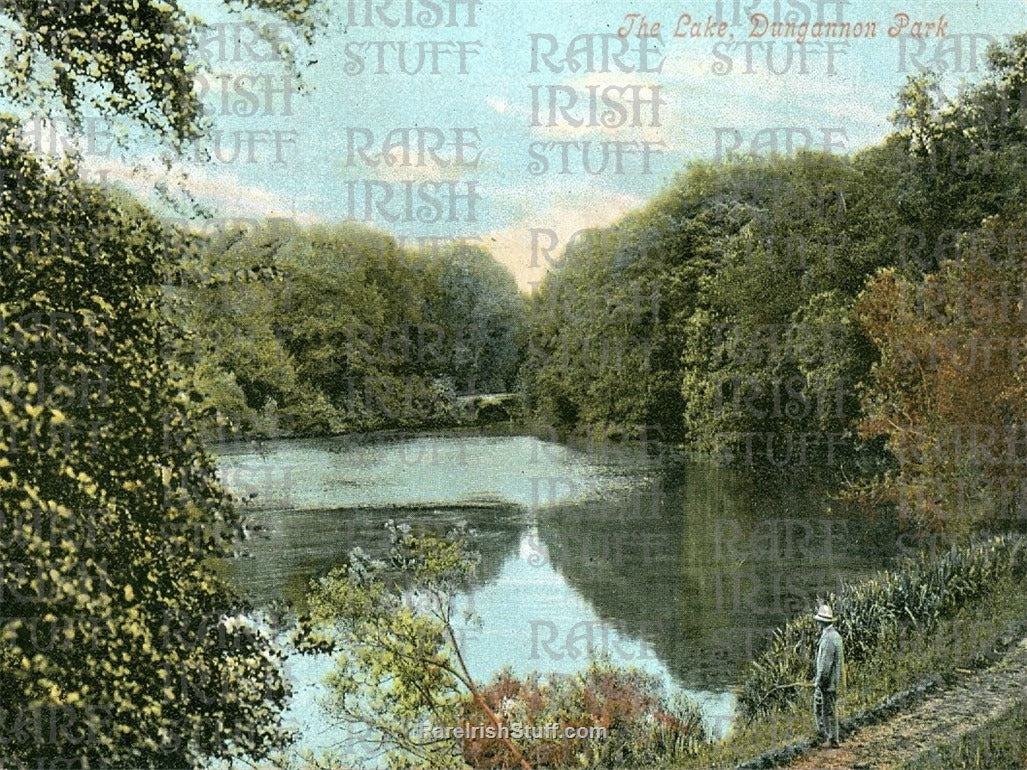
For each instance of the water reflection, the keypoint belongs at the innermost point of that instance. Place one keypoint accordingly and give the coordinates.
(681, 570)
(533, 619)
(703, 563)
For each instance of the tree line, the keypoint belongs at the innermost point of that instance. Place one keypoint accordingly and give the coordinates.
(337, 328)
(859, 312)
(781, 312)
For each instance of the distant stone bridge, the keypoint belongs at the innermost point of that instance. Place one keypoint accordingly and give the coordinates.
(490, 407)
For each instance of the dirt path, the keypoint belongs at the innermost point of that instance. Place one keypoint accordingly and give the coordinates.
(974, 700)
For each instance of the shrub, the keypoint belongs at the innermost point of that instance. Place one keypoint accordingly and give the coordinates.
(644, 726)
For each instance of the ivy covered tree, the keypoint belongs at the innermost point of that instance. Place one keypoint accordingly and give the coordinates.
(120, 645)
(113, 624)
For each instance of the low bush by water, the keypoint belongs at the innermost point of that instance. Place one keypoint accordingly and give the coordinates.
(642, 725)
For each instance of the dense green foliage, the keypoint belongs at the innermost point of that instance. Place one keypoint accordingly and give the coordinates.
(725, 314)
(916, 595)
(119, 646)
(330, 329)
(720, 311)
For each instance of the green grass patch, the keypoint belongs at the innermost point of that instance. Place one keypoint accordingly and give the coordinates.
(1002, 743)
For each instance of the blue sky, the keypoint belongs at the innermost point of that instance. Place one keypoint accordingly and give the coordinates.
(712, 99)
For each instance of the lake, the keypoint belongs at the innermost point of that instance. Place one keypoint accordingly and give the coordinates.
(678, 567)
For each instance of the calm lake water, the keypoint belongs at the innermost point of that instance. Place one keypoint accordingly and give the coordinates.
(679, 568)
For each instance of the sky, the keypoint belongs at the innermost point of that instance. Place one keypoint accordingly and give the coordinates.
(499, 96)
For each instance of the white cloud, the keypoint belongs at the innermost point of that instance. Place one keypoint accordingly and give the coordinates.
(220, 191)
(532, 246)
(499, 105)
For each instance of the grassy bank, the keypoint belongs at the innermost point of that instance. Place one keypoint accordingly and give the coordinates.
(922, 621)
(1000, 743)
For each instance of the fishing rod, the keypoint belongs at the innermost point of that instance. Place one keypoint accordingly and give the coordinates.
(771, 691)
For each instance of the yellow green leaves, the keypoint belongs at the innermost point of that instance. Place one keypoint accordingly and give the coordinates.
(105, 584)
(396, 660)
(129, 60)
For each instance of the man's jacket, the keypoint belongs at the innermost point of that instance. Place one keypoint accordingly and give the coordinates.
(829, 660)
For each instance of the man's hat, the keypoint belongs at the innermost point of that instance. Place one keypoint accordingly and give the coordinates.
(824, 614)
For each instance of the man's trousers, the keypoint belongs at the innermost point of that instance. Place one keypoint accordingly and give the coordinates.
(824, 713)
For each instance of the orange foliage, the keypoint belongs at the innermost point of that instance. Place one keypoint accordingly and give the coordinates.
(948, 390)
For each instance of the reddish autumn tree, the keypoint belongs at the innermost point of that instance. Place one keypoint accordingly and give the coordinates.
(948, 390)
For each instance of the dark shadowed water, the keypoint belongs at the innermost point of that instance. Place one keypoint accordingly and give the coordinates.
(680, 568)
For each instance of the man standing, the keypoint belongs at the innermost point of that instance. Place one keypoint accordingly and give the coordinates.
(829, 673)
